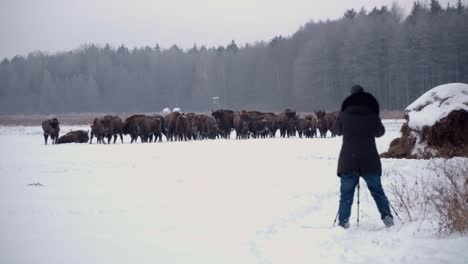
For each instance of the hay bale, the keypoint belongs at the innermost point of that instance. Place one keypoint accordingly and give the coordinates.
(436, 125)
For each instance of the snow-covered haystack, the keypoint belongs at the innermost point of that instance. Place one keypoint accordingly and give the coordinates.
(436, 125)
(166, 111)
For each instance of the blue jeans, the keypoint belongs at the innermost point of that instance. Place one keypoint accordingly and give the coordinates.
(348, 185)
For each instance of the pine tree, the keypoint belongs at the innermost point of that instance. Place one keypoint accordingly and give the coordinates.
(350, 14)
(436, 8)
(460, 7)
(232, 47)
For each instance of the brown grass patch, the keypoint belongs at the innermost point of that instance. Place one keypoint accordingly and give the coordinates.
(442, 199)
(450, 200)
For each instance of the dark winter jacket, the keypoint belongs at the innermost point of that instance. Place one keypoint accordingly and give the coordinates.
(360, 124)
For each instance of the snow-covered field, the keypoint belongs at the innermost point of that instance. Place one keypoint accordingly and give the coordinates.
(222, 201)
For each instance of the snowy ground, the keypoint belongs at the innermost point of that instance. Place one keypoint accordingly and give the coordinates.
(223, 201)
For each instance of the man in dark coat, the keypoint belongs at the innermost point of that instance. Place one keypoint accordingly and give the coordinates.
(360, 124)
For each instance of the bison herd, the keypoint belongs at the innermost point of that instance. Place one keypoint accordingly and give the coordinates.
(177, 126)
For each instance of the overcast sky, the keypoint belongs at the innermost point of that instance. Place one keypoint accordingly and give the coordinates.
(59, 25)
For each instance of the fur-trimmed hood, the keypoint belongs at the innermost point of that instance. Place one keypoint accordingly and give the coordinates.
(362, 99)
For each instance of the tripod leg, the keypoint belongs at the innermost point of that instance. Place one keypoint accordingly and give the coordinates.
(336, 217)
(358, 201)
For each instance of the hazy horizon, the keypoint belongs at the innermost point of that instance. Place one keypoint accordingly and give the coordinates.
(52, 26)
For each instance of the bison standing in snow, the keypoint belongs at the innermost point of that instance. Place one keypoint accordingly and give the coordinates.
(51, 128)
(287, 123)
(212, 128)
(327, 121)
(272, 123)
(313, 122)
(304, 127)
(112, 126)
(241, 123)
(183, 128)
(170, 121)
(322, 123)
(199, 126)
(149, 127)
(97, 131)
(130, 126)
(331, 119)
(225, 120)
(162, 120)
(259, 128)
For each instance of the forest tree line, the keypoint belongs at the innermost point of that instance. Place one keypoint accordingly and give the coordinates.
(395, 57)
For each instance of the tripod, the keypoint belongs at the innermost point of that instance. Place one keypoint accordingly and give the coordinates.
(359, 202)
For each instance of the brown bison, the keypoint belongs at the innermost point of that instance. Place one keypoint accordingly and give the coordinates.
(313, 120)
(199, 127)
(272, 123)
(162, 120)
(183, 128)
(130, 126)
(147, 127)
(259, 128)
(170, 121)
(212, 128)
(112, 126)
(322, 123)
(326, 121)
(78, 136)
(331, 119)
(304, 127)
(225, 120)
(190, 116)
(262, 124)
(97, 131)
(51, 128)
(287, 123)
(242, 124)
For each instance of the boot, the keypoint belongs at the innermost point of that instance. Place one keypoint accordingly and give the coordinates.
(388, 221)
(344, 225)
